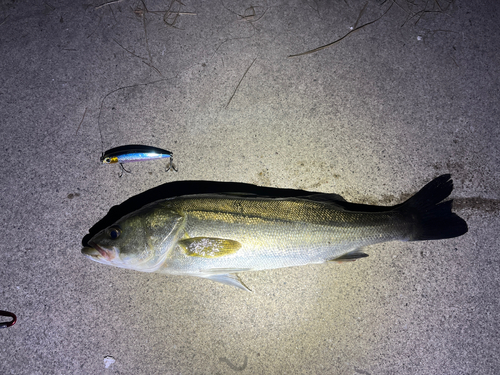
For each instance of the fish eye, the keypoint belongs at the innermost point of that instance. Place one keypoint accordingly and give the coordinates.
(114, 232)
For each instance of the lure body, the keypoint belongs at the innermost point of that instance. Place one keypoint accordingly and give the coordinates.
(131, 153)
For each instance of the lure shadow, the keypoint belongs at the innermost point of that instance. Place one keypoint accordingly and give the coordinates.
(178, 188)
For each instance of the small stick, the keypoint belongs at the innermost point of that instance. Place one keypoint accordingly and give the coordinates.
(81, 121)
(455, 61)
(153, 67)
(146, 32)
(92, 33)
(108, 3)
(49, 6)
(360, 14)
(5, 20)
(338, 40)
(113, 13)
(244, 74)
(133, 54)
(168, 13)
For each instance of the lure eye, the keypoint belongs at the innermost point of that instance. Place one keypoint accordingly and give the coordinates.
(114, 232)
(106, 160)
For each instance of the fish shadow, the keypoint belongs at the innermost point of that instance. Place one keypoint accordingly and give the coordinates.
(179, 188)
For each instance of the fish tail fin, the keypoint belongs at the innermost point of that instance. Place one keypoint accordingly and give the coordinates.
(432, 218)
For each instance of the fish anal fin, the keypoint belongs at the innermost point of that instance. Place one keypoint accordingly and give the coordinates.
(228, 279)
(350, 257)
(209, 247)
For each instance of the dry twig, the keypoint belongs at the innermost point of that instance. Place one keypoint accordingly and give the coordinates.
(108, 3)
(80, 124)
(5, 20)
(238, 85)
(133, 54)
(346, 35)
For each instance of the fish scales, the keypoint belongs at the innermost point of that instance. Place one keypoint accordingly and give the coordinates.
(282, 227)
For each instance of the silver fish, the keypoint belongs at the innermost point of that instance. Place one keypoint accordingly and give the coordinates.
(215, 236)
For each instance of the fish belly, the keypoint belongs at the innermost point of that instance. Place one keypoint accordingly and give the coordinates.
(269, 244)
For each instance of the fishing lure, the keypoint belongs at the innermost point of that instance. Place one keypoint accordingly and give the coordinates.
(130, 153)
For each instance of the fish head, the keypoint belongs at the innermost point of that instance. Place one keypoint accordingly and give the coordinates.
(139, 241)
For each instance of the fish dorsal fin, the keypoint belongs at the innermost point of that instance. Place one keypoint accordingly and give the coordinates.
(350, 257)
(209, 247)
(324, 197)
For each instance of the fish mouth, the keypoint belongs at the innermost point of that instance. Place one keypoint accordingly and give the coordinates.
(95, 251)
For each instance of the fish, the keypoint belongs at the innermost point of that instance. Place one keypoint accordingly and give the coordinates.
(220, 235)
(131, 153)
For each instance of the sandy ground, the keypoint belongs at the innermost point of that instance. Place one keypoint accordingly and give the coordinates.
(372, 117)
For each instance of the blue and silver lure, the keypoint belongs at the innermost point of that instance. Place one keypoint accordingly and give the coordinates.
(131, 153)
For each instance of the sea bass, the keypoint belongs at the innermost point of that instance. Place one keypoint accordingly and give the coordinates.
(215, 236)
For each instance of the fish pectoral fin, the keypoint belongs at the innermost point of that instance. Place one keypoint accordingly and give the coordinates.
(209, 247)
(349, 257)
(228, 279)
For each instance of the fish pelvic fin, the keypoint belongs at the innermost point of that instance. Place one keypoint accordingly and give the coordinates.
(349, 257)
(433, 219)
(228, 279)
